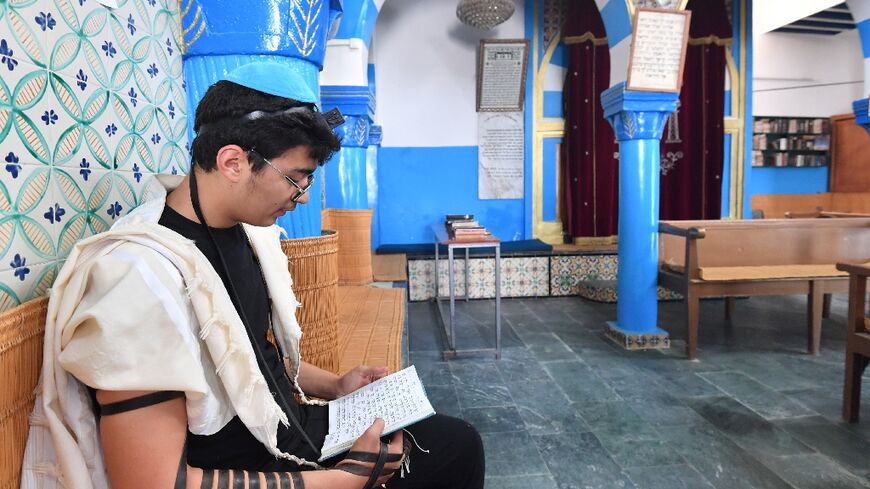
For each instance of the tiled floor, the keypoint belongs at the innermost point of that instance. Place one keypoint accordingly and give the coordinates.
(564, 408)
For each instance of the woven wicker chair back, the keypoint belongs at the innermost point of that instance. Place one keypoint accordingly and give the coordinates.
(354, 228)
(313, 264)
(21, 336)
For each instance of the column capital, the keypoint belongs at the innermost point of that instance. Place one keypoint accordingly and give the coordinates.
(376, 135)
(279, 27)
(350, 100)
(637, 115)
(354, 133)
(860, 109)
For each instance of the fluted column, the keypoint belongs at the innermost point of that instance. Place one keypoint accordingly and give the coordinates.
(220, 35)
(638, 119)
(346, 186)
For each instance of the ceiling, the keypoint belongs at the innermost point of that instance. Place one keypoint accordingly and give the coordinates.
(828, 22)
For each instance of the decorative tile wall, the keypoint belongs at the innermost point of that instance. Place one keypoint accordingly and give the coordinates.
(520, 277)
(569, 272)
(92, 105)
(590, 276)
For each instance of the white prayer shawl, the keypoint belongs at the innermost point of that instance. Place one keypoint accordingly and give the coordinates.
(139, 307)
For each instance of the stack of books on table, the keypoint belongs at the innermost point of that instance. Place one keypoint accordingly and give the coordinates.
(463, 227)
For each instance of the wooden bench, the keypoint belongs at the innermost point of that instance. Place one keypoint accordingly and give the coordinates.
(857, 339)
(759, 257)
(826, 204)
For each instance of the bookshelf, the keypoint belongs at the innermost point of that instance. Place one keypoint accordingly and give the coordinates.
(791, 142)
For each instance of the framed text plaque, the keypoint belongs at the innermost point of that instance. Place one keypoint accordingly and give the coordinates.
(658, 50)
(501, 74)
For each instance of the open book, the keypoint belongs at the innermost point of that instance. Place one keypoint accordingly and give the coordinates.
(398, 398)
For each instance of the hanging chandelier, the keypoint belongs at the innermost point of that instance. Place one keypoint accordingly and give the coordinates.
(484, 14)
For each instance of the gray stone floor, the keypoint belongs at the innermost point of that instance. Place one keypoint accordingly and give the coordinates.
(565, 408)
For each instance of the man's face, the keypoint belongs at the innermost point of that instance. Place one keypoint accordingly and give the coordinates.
(270, 194)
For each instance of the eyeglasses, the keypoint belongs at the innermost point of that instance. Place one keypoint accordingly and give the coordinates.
(300, 191)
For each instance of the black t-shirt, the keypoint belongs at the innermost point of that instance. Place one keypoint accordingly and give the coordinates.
(233, 447)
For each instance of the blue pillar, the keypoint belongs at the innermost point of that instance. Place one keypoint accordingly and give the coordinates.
(375, 137)
(219, 40)
(346, 186)
(860, 108)
(638, 119)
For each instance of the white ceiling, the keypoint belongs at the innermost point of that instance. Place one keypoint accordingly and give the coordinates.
(768, 15)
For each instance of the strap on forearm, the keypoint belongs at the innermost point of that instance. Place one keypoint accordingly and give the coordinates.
(138, 402)
(241, 479)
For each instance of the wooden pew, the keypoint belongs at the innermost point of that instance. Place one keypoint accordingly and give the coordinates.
(857, 339)
(777, 206)
(759, 257)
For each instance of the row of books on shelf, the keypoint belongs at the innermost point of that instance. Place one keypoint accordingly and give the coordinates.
(463, 227)
(788, 159)
(811, 126)
(819, 142)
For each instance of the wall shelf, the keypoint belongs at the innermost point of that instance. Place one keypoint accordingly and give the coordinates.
(791, 142)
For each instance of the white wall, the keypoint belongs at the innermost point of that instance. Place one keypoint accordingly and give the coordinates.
(426, 62)
(794, 60)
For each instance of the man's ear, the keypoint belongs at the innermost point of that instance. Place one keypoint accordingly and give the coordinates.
(232, 162)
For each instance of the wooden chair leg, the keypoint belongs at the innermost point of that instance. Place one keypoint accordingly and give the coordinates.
(855, 365)
(729, 307)
(692, 305)
(826, 306)
(814, 317)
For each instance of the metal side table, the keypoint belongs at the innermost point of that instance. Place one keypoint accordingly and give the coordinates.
(442, 239)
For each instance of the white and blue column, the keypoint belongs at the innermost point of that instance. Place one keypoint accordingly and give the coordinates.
(638, 119)
(346, 172)
(294, 33)
(347, 82)
(861, 14)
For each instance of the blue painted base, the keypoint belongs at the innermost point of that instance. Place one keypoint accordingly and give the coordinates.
(632, 340)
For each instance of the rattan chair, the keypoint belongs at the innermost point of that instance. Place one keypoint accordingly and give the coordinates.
(21, 337)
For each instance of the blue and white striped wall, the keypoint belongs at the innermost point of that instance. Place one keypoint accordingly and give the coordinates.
(617, 24)
(861, 13)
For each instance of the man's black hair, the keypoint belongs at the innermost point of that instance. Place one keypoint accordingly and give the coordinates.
(219, 121)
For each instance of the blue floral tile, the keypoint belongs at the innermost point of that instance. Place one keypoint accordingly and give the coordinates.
(60, 167)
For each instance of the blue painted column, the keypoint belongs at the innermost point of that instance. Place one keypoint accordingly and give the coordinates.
(861, 14)
(220, 36)
(346, 186)
(376, 135)
(860, 108)
(638, 119)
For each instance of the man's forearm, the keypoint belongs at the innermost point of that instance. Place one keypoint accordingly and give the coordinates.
(318, 382)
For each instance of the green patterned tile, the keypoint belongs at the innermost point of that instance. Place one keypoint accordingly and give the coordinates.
(92, 106)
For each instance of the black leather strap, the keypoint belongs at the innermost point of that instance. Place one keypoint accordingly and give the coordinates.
(272, 481)
(238, 479)
(372, 457)
(253, 480)
(138, 402)
(298, 483)
(207, 479)
(223, 479)
(181, 476)
(284, 481)
(379, 465)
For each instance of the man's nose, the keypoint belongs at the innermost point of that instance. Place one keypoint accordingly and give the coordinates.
(303, 199)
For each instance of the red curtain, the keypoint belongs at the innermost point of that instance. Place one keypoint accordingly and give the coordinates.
(692, 142)
(590, 170)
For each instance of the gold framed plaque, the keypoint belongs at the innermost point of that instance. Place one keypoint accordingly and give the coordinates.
(501, 74)
(658, 50)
